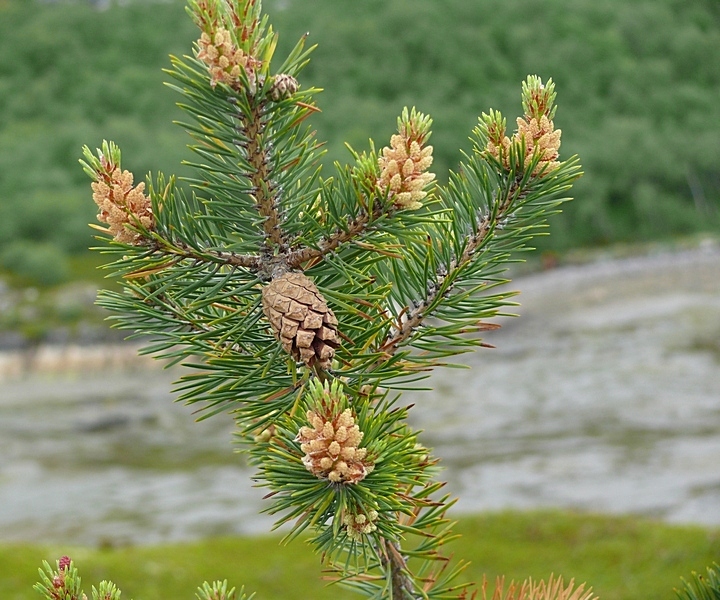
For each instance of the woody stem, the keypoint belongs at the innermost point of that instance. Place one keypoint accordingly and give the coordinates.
(401, 583)
(183, 250)
(354, 229)
(263, 189)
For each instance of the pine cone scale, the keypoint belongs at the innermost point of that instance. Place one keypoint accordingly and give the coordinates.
(289, 328)
(324, 351)
(296, 311)
(305, 339)
(327, 334)
(313, 320)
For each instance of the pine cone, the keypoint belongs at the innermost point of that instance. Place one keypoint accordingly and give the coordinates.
(283, 86)
(301, 319)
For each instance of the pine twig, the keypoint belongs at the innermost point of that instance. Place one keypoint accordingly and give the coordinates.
(184, 250)
(415, 316)
(355, 229)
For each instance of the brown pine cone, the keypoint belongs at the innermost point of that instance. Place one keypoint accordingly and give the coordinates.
(301, 319)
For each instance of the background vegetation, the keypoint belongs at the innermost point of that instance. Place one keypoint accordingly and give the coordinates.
(623, 558)
(638, 86)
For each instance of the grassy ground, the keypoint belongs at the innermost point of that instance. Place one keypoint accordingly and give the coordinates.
(622, 558)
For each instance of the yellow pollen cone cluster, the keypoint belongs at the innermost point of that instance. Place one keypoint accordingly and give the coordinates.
(331, 449)
(225, 61)
(359, 525)
(403, 171)
(539, 135)
(121, 204)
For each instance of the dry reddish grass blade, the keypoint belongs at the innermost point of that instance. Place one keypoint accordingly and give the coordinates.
(553, 589)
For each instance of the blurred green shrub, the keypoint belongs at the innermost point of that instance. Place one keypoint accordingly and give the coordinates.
(35, 262)
(639, 80)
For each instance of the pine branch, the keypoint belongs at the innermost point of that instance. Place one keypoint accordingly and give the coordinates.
(466, 259)
(183, 250)
(413, 317)
(296, 299)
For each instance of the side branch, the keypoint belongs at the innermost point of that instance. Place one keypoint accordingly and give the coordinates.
(415, 316)
(183, 250)
(355, 228)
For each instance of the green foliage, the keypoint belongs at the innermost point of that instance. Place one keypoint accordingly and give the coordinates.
(63, 582)
(219, 591)
(638, 85)
(702, 587)
(639, 82)
(69, 72)
(35, 262)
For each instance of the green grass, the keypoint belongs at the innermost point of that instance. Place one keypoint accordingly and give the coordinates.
(621, 557)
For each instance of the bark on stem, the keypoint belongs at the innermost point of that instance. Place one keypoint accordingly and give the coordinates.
(401, 583)
(354, 229)
(247, 261)
(264, 190)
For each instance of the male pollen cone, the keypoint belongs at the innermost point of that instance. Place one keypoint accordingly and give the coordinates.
(301, 319)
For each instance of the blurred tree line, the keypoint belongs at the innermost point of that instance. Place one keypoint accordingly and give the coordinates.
(638, 88)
